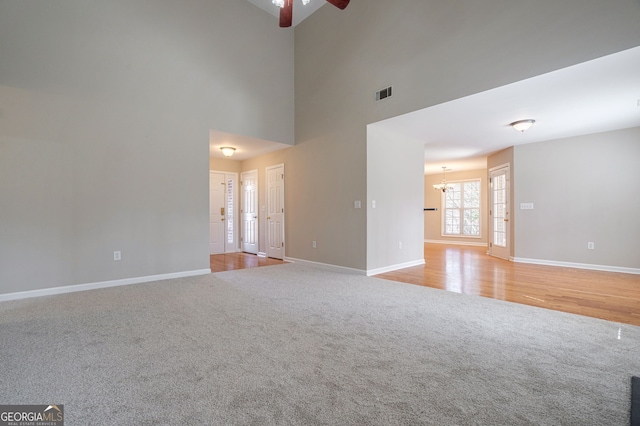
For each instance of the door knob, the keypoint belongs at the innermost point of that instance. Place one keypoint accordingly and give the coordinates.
(506, 219)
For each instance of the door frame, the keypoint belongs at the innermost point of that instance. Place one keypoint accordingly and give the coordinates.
(267, 228)
(242, 212)
(219, 221)
(502, 253)
(229, 247)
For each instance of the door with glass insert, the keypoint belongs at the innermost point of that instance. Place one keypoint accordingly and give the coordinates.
(499, 213)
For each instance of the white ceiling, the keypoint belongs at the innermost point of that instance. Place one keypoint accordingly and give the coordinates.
(595, 96)
(300, 11)
(246, 147)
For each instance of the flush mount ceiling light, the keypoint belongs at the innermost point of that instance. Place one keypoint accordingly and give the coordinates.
(522, 125)
(227, 151)
(442, 186)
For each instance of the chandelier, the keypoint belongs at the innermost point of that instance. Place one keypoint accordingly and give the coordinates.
(442, 186)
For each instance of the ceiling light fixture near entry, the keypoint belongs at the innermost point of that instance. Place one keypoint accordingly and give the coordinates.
(227, 151)
(522, 125)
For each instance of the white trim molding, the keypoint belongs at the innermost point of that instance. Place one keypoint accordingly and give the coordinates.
(326, 266)
(390, 268)
(605, 268)
(262, 254)
(457, 243)
(102, 284)
(344, 269)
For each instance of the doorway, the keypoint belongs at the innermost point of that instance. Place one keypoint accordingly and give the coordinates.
(275, 211)
(249, 211)
(499, 224)
(222, 212)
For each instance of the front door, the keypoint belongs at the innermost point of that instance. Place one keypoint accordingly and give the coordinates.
(249, 184)
(275, 211)
(216, 213)
(499, 213)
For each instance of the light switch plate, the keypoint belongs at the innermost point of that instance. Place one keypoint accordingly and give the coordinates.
(526, 206)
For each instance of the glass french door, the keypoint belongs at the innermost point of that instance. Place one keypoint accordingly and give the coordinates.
(499, 213)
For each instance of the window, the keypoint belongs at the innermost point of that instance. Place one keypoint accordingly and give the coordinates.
(461, 212)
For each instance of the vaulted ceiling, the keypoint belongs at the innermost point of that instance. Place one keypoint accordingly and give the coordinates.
(595, 96)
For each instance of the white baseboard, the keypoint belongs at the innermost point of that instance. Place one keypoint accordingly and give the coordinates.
(457, 243)
(97, 285)
(261, 254)
(382, 270)
(347, 270)
(326, 266)
(605, 268)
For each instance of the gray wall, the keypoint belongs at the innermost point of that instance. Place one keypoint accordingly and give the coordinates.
(106, 107)
(431, 52)
(105, 112)
(583, 189)
(394, 175)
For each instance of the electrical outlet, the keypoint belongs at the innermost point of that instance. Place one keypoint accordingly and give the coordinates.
(357, 204)
(591, 245)
(400, 245)
(313, 244)
(117, 255)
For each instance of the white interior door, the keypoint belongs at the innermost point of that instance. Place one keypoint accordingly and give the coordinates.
(275, 211)
(217, 232)
(499, 212)
(249, 185)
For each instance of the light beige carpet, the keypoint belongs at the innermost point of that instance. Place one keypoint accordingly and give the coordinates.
(291, 344)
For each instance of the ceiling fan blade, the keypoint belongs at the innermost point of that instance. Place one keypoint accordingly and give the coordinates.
(340, 4)
(286, 14)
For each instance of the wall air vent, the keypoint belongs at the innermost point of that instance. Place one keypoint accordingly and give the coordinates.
(383, 94)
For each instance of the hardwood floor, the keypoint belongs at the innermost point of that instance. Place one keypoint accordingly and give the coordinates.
(469, 270)
(232, 261)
